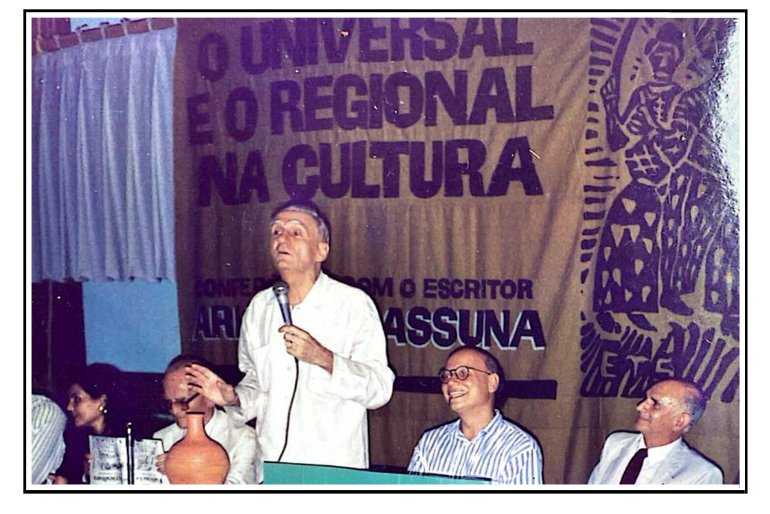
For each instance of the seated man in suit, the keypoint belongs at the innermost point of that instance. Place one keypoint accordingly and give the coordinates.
(481, 444)
(238, 440)
(657, 454)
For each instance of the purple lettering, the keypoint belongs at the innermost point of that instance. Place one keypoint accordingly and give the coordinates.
(370, 32)
(253, 179)
(455, 102)
(290, 168)
(376, 100)
(331, 36)
(394, 112)
(524, 109)
(400, 34)
(289, 105)
(212, 57)
(445, 333)
(294, 47)
(358, 108)
(241, 113)
(487, 40)
(420, 186)
(505, 172)
(197, 117)
(210, 172)
(509, 34)
(445, 32)
(492, 79)
(391, 168)
(418, 320)
(247, 49)
(314, 101)
(455, 168)
(329, 187)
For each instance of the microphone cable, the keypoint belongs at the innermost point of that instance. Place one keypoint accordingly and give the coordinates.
(291, 404)
(281, 289)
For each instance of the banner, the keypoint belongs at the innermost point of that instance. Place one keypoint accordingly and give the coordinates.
(561, 192)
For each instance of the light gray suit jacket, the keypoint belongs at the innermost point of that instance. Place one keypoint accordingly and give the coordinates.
(683, 466)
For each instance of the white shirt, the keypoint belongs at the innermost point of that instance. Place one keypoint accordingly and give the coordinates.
(47, 424)
(328, 417)
(655, 457)
(652, 462)
(673, 464)
(237, 439)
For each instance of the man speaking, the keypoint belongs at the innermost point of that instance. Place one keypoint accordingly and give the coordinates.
(313, 370)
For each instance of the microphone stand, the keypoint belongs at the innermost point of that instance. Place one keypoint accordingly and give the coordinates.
(130, 452)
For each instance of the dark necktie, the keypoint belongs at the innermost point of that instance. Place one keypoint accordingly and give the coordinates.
(634, 467)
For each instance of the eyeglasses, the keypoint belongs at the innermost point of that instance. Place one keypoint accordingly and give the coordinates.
(182, 404)
(461, 372)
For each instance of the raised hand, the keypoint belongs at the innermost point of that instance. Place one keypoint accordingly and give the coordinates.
(211, 385)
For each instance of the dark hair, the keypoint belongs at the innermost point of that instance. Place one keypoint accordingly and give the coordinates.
(99, 379)
(311, 210)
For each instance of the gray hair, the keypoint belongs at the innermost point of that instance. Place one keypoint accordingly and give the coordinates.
(694, 400)
(311, 210)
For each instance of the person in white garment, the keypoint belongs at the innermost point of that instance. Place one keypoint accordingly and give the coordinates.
(670, 409)
(235, 437)
(47, 423)
(309, 383)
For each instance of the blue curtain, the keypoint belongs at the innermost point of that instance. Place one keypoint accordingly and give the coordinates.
(102, 160)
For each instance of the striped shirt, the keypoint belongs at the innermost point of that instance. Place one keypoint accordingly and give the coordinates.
(47, 444)
(501, 452)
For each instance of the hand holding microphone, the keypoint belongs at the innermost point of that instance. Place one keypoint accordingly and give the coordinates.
(300, 344)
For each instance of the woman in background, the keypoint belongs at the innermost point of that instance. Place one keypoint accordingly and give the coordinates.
(96, 405)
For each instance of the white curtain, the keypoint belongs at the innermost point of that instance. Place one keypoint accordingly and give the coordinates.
(102, 160)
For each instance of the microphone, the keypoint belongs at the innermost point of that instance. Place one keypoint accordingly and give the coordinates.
(281, 290)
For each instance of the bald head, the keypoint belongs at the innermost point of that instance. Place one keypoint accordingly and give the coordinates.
(670, 409)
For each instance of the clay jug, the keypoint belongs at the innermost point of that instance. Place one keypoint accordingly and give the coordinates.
(197, 458)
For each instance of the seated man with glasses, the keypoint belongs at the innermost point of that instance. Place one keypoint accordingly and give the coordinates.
(481, 444)
(239, 440)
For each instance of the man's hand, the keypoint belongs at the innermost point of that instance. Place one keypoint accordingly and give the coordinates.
(304, 347)
(211, 385)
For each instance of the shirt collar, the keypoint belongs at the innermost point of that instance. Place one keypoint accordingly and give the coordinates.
(310, 297)
(494, 421)
(659, 453)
